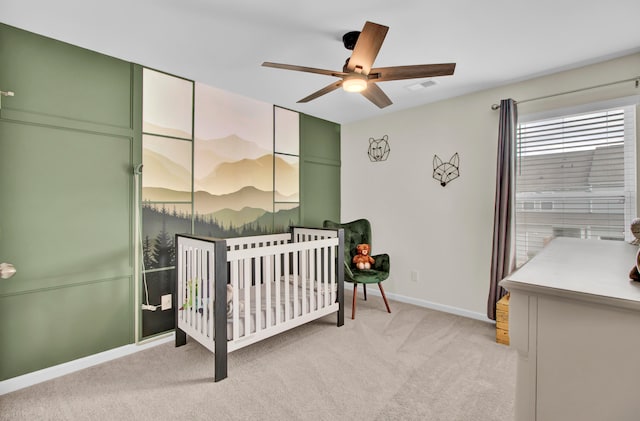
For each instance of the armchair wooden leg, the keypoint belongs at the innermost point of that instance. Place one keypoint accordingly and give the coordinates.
(364, 288)
(384, 297)
(353, 305)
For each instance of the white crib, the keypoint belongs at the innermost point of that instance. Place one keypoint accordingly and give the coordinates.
(275, 282)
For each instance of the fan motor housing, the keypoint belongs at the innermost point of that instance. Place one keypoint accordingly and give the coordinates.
(349, 39)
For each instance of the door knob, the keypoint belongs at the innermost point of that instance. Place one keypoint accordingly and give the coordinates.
(7, 270)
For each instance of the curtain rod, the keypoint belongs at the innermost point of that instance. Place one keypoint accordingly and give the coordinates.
(636, 79)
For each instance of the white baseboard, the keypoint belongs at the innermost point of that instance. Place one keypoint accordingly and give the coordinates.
(433, 306)
(29, 379)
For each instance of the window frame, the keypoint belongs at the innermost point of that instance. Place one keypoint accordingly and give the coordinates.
(629, 190)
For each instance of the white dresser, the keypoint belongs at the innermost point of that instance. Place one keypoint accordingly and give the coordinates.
(574, 319)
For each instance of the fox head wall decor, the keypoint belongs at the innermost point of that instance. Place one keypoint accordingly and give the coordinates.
(445, 172)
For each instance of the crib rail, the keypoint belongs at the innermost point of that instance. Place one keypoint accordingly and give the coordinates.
(254, 241)
(235, 292)
(310, 234)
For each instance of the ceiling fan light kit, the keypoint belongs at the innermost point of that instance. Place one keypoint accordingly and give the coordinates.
(358, 75)
(355, 82)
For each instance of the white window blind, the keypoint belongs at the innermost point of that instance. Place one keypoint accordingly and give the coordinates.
(575, 177)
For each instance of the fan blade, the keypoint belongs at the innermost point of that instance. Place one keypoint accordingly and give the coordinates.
(411, 72)
(325, 90)
(376, 95)
(303, 69)
(367, 47)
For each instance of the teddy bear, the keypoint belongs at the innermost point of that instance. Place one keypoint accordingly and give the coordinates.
(363, 260)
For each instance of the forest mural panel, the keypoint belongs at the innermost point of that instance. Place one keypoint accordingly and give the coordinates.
(215, 164)
(167, 180)
(222, 178)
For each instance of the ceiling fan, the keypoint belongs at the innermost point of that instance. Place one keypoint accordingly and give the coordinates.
(357, 75)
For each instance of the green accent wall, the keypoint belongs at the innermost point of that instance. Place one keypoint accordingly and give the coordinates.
(69, 140)
(319, 171)
(68, 143)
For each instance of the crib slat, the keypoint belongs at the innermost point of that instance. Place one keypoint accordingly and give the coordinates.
(197, 292)
(247, 296)
(303, 281)
(296, 278)
(258, 295)
(322, 276)
(196, 289)
(211, 287)
(235, 318)
(183, 286)
(186, 313)
(309, 281)
(204, 298)
(316, 272)
(282, 279)
(332, 279)
(194, 293)
(199, 295)
(267, 280)
(192, 275)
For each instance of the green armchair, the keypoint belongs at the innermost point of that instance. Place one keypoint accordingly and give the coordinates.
(359, 232)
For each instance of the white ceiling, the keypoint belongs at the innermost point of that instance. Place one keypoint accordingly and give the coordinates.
(223, 43)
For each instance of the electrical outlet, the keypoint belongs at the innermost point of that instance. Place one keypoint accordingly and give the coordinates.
(166, 302)
(414, 276)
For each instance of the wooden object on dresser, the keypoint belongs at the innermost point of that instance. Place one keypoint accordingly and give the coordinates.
(502, 320)
(575, 325)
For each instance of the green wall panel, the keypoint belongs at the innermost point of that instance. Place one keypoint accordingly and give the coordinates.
(49, 327)
(68, 217)
(320, 139)
(319, 170)
(323, 201)
(68, 142)
(51, 78)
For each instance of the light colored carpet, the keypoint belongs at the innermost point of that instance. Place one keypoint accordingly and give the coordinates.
(412, 364)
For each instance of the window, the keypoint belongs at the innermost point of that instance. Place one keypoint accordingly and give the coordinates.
(575, 177)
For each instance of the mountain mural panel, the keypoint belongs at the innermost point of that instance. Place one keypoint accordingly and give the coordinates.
(227, 173)
(229, 177)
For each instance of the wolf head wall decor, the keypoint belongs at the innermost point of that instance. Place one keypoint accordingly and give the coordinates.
(444, 172)
(379, 149)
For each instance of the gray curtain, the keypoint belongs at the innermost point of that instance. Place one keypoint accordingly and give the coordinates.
(503, 252)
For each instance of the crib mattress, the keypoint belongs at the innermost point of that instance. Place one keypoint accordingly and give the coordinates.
(310, 304)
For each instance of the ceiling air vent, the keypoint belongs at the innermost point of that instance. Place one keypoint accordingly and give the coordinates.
(421, 85)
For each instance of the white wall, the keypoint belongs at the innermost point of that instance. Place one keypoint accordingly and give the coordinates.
(446, 233)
